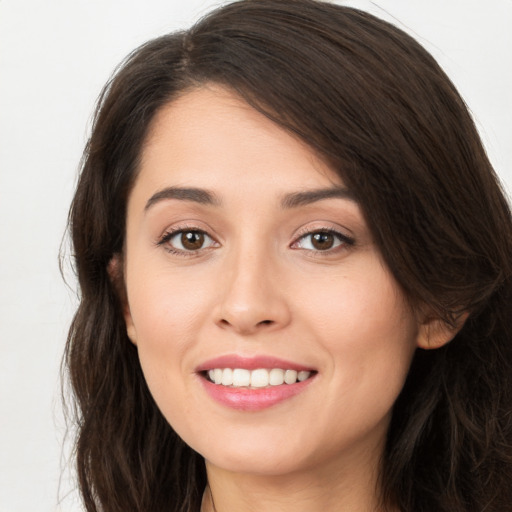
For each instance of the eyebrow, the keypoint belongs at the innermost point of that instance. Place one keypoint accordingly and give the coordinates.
(296, 199)
(197, 195)
(292, 200)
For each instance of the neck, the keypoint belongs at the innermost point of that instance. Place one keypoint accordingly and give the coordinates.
(323, 489)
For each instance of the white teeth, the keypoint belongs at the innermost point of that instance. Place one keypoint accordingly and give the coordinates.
(276, 377)
(290, 376)
(241, 377)
(303, 376)
(260, 378)
(227, 377)
(217, 376)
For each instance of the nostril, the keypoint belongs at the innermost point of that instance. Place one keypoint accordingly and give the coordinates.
(244, 325)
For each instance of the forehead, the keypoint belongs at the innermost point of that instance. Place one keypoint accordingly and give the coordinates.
(211, 135)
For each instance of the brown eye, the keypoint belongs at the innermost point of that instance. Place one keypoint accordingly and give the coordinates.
(192, 240)
(322, 241)
(186, 240)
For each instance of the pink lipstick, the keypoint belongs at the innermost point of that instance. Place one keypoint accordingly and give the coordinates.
(253, 383)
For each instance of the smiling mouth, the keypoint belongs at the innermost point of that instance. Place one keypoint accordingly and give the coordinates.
(255, 379)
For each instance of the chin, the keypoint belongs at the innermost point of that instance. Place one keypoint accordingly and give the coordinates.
(262, 463)
(262, 453)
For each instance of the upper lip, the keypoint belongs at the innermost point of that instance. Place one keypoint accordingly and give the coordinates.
(251, 363)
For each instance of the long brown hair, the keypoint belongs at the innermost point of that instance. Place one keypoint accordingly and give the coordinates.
(378, 108)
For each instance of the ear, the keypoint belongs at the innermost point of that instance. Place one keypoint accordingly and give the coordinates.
(435, 332)
(115, 271)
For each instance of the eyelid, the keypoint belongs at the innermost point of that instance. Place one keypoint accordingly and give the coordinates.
(345, 239)
(173, 231)
(185, 225)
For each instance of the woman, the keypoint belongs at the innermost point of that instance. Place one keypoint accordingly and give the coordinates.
(294, 260)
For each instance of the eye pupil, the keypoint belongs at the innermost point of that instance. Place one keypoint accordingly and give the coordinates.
(322, 241)
(192, 240)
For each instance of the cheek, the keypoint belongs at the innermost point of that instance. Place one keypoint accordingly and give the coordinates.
(165, 313)
(164, 307)
(369, 333)
(363, 307)
(170, 311)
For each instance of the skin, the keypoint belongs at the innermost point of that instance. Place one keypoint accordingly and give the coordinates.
(259, 286)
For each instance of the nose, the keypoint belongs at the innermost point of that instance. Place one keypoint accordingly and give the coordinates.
(253, 297)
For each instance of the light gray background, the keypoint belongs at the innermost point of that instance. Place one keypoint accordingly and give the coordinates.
(54, 57)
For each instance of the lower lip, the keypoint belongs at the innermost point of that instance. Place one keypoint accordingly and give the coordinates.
(245, 399)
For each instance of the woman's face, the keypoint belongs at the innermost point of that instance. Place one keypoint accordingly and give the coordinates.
(246, 258)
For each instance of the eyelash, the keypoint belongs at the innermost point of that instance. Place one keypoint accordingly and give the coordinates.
(344, 240)
(170, 234)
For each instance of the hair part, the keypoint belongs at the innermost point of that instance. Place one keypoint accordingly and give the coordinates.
(377, 107)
